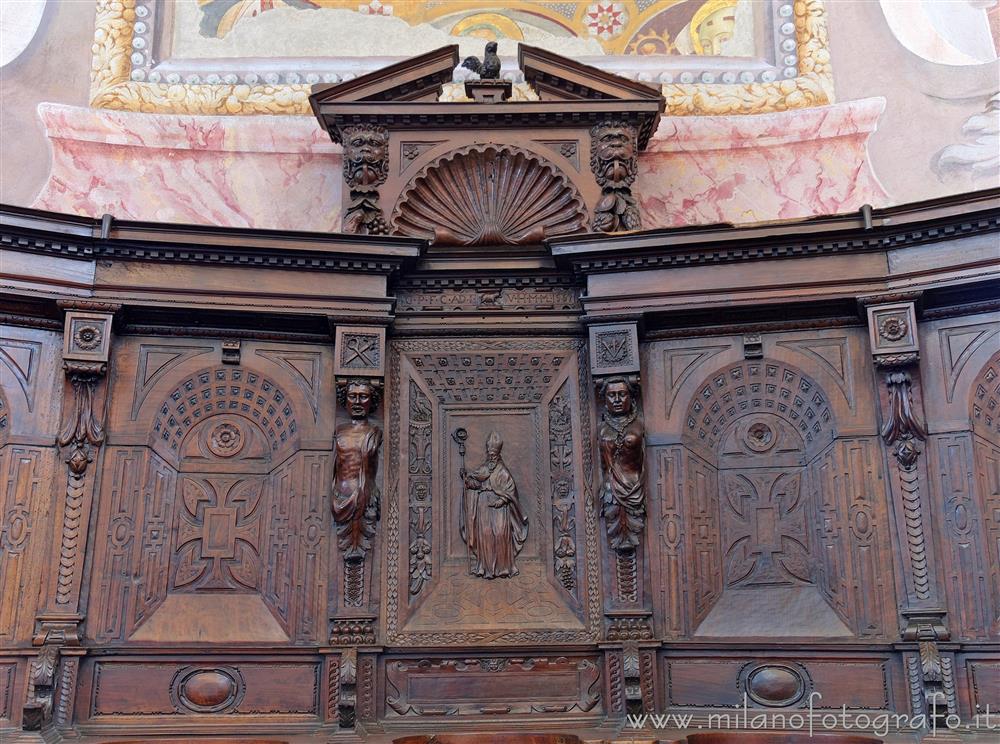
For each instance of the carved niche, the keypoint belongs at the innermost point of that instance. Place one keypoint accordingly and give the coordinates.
(778, 510)
(540, 575)
(214, 524)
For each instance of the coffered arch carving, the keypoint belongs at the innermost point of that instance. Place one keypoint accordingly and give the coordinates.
(984, 400)
(236, 391)
(751, 388)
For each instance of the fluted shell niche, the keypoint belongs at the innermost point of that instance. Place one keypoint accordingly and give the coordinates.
(492, 195)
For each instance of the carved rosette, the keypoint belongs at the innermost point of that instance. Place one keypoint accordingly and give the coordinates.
(614, 161)
(366, 166)
(489, 195)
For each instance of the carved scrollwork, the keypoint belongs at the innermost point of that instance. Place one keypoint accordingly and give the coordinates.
(902, 424)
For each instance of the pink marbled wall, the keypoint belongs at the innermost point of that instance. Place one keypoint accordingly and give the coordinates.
(277, 172)
(282, 172)
(740, 169)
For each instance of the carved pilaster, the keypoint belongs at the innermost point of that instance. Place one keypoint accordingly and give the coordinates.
(614, 162)
(896, 355)
(614, 362)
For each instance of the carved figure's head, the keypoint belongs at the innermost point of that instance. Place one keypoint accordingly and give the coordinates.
(366, 161)
(493, 446)
(491, 47)
(359, 396)
(619, 395)
(613, 153)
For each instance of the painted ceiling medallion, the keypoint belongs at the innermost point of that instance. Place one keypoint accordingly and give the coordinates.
(493, 195)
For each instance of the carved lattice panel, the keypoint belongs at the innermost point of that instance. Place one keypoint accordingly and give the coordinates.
(527, 395)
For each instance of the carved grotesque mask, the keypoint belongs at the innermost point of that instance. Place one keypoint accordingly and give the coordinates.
(365, 156)
(613, 154)
(618, 398)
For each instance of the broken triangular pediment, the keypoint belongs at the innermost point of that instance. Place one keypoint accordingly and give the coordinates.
(488, 168)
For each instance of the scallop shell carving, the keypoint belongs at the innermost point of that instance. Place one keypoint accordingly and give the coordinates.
(493, 195)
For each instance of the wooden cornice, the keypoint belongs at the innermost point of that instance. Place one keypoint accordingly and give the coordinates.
(68, 236)
(882, 229)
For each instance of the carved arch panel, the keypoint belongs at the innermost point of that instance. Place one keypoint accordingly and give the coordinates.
(762, 505)
(215, 526)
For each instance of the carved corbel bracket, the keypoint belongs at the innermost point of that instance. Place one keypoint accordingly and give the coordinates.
(39, 702)
(931, 673)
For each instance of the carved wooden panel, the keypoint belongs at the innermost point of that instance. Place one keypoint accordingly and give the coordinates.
(26, 480)
(216, 526)
(494, 686)
(193, 687)
(851, 526)
(8, 676)
(779, 681)
(962, 532)
(529, 393)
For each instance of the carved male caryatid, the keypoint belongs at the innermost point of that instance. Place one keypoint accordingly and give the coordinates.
(366, 166)
(493, 525)
(614, 162)
(621, 439)
(355, 489)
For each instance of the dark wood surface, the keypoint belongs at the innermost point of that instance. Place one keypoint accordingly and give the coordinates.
(796, 507)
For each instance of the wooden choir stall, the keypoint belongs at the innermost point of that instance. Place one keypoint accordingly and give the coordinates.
(495, 458)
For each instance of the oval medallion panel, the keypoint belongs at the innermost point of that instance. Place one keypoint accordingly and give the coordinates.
(201, 690)
(775, 685)
(492, 195)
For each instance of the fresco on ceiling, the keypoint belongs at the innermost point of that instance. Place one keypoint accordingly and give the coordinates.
(611, 27)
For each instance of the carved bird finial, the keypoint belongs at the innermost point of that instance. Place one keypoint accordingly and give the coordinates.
(490, 69)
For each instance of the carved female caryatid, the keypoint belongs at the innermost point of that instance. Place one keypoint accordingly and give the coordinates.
(493, 525)
(355, 490)
(621, 439)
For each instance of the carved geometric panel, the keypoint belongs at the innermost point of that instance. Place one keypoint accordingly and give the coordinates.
(24, 482)
(218, 535)
(360, 351)
(614, 349)
(764, 528)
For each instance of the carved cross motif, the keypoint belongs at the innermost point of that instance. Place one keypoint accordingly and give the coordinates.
(765, 529)
(218, 534)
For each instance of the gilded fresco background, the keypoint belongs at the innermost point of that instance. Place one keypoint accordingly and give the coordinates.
(777, 109)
